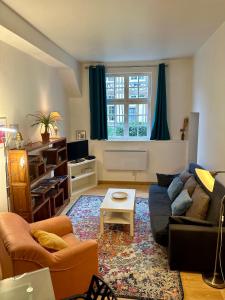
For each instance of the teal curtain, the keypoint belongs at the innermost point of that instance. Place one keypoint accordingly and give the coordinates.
(98, 108)
(160, 129)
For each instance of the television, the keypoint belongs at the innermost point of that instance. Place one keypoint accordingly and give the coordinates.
(77, 150)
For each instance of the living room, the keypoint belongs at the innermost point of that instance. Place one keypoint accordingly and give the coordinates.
(48, 53)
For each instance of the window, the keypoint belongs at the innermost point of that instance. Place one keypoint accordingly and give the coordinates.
(128, 105)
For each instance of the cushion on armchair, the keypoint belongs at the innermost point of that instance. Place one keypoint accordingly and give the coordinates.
(49, 240)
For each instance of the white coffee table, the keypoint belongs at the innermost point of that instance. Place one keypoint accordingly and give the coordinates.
(114, 211)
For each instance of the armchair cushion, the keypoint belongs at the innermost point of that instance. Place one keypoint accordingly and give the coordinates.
(49, 240)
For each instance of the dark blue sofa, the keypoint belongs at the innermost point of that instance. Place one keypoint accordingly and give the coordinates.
(191, 247)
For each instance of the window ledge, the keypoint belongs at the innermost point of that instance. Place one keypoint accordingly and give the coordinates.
(147, 141)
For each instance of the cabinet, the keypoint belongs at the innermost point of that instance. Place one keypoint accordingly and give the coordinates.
(82, 176)
(38, 179)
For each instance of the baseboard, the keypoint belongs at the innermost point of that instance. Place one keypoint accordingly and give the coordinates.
(125, 182)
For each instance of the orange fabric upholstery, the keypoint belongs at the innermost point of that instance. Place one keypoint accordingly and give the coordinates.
(71, 268)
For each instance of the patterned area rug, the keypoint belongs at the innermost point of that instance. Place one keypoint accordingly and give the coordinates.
(134, 267)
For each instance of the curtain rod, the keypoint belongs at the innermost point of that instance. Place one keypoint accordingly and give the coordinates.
(146, 66)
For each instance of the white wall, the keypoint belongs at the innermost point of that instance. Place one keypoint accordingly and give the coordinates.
(209, 101)
(164, 156)
(28, 85)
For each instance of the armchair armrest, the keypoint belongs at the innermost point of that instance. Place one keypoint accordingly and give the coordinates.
(73, 257)
(60, 225)
(72, 268)
(193, 247)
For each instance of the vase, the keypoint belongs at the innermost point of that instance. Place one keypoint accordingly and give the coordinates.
(45, 137)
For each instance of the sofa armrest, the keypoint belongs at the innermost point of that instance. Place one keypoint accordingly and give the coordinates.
(189, 221)
(193, 247)
(60, 225)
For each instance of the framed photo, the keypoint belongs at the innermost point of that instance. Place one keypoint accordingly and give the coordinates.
(80, 135)
(3, 134)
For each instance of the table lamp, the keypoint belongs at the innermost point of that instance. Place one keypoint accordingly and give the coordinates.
(57, 117)
(215, 279)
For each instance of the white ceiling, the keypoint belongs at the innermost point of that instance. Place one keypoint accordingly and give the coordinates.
(124, 30)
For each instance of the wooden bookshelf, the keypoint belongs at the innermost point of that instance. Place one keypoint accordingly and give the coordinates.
(38, 177)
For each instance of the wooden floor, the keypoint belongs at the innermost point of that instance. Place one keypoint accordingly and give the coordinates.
(194, 287)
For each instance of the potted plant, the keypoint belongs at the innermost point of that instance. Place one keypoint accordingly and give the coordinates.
(46, 121)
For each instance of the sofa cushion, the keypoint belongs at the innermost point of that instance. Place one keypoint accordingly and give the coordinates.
(184, 176)
(193, 166)
(181, 203)
(159, 227)
(165, 179)
(200, 204)
(156, 189)
(190, 185)
(175, 188)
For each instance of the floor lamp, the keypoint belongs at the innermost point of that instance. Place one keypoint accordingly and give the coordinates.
(215, 279)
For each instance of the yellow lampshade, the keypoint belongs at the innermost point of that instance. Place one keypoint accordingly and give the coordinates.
(56, 116)
(206, 178)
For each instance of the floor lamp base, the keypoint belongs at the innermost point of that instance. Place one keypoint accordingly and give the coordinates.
(214, 280)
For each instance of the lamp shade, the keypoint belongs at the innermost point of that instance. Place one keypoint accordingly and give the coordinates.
(206, 179)
(56, 116)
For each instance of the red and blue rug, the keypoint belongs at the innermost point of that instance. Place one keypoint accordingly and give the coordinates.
(134, 267)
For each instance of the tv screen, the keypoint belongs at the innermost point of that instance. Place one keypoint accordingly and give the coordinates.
(77, 150)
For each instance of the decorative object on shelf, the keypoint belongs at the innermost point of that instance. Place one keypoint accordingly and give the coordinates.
(57, 117)
(45, 120)
(80, 135)
(119, 195)
(3, 131)
(183, 130)
(215, 279)
(19, 140)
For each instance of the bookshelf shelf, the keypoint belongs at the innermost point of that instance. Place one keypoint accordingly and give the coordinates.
(31, 193)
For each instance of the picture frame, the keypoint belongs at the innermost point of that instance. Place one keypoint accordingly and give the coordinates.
(80, 135)
(3, 135)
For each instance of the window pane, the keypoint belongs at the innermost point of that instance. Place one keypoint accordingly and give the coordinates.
(115, 120)
(143, 92)
(132, 131)
(133, 93)
(119, 93)
(142, 131)
(110, 93)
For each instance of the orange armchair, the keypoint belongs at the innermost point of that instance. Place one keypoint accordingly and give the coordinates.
(71, 268)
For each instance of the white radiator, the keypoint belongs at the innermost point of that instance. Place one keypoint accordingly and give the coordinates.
(125, 160)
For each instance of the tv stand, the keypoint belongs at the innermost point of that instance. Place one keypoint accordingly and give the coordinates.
(82, 176)
(76, 161)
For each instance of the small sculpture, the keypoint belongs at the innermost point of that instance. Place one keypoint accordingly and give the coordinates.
(184, 128)
(19, 140)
